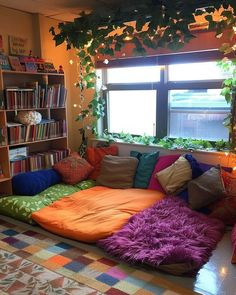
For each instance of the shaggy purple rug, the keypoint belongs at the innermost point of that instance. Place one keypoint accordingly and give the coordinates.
(169, 236)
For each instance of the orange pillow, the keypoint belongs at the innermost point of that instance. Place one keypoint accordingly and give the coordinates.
(229, 180)
(94, 156)
(73, 169)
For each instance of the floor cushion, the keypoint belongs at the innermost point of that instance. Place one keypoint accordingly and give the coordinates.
(21, 207)
(169, 236)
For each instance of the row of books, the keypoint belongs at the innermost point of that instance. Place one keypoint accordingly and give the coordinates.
(26, 63)
(38, 161)
(41, 96)
(46, 129)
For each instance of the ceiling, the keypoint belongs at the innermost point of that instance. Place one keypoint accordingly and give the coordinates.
(65, 10)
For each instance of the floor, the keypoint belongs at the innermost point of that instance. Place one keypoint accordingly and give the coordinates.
(217, 277)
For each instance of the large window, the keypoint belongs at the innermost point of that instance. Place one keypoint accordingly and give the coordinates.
(175, 100)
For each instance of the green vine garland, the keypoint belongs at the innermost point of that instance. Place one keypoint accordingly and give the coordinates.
(155, 24)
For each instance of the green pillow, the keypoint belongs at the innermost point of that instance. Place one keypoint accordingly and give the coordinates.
(147, 162)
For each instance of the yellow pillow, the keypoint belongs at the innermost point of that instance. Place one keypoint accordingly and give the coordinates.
(174, 177)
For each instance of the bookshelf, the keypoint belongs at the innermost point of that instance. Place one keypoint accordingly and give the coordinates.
(43, 144)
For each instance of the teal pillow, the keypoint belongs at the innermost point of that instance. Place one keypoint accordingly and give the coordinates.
(147, 162)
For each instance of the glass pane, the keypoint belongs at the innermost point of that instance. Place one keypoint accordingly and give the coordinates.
(195, 71)
(132, 112)
(133, 74)
(198, 114)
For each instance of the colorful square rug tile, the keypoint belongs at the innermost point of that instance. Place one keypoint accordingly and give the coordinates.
(33, 263)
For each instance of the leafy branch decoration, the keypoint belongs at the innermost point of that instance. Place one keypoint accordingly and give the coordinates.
(146, 24)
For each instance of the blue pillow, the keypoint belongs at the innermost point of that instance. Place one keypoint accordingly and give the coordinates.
(146, 165)
(32, 183)
(195, 166)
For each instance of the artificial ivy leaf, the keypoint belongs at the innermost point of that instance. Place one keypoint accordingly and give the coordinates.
(59, 39)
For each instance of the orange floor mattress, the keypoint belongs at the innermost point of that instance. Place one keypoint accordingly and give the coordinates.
(95, 213)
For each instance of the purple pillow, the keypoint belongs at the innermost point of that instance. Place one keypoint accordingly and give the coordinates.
(162, 163)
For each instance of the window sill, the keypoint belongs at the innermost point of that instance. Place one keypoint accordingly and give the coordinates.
(213, 157)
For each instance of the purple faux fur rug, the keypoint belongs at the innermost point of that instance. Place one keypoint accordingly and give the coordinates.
(168, 235)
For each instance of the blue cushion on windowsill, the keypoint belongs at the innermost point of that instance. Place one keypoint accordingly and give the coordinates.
(32, 183)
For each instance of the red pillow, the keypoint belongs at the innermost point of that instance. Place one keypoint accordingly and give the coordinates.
(73, 169)
(162, 163)
(94, 156)
(229, 180)
(225, 210)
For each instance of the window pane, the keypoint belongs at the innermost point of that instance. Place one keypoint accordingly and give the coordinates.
(132, 112)
(133, 74)
(195, 71)
(198, 114)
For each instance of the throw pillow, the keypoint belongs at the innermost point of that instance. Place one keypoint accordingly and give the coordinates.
(195, 166)
(229, 180)
(205, 189)
(225, 210)
(117, 172)
(147, 162)
(32, 183)
(162, 163)
(73, 169)
(94, 156)
(174, 177)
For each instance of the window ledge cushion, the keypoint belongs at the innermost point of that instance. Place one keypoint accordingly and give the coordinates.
(205, 189)
(117, 172)
(147, 162)
(174, 177)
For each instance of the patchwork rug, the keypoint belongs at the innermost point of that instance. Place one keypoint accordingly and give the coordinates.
(33, 263)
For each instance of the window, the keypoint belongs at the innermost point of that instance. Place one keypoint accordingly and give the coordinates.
(197, 114)
(176, 100)
(195, 71)
(132, 111)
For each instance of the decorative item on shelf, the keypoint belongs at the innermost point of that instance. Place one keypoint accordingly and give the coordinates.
(60, 70)
(28, 117)
(4, 62)
(49, 67)
(15, 63)
(39, 64)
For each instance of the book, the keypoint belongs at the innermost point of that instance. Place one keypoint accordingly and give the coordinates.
(40, 65)
(18, 154)
(28, 64)
(4, 62)
(15, 63)
(49, 67)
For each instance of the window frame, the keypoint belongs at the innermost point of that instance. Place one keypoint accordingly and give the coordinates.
(163, 86)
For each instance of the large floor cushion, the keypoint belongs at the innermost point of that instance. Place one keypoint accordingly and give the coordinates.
(95, 213)
(169, 236)
(21, 207)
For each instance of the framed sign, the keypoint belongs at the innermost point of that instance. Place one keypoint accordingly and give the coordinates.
(18, 45)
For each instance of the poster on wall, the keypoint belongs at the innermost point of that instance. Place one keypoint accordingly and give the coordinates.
(18, 45)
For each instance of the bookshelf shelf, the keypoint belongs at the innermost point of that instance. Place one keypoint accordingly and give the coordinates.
(41, 92)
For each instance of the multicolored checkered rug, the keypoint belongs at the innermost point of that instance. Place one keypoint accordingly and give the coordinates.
(33, 263)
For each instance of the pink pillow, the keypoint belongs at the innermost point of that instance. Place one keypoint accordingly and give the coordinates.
(162, 163)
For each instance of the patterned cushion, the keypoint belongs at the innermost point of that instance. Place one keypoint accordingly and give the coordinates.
(94, 156)
(73, 169)
(21, 207)
(174, 177)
